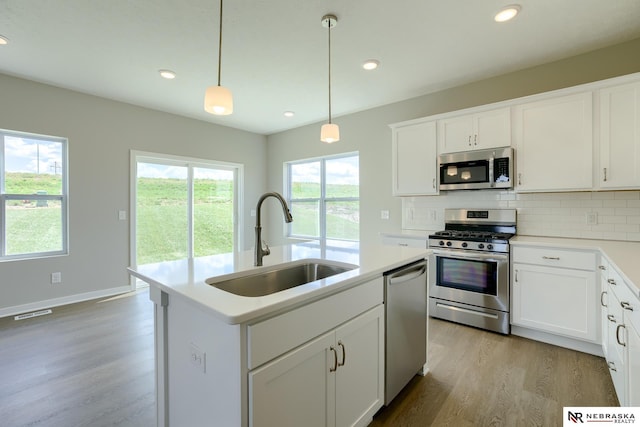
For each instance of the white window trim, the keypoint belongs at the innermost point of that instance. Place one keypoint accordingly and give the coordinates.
(168, 159)
(321, 200)
(63, 198)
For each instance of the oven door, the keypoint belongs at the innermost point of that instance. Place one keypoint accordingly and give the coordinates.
(479, 279)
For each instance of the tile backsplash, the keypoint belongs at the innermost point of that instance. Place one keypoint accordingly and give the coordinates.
(609, 215)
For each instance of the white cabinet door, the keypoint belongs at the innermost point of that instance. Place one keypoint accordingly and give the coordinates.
(336, 379)
(616, 351)
(556, 300)
(360, 374)
(554, 144)
(489, 129)
(415, 160)
(633, 347)
(620, 137)
(295, 389)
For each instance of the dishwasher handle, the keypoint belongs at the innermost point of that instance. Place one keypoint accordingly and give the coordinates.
(407, 274)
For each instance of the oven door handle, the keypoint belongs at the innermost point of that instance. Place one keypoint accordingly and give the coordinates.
(471, 256)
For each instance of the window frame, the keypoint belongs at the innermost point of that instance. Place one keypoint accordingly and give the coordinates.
(63, 198)
(322, 200)
(190, 163)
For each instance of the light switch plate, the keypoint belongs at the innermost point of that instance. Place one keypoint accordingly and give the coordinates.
(198, 358)
(592, 218)
(384, 214)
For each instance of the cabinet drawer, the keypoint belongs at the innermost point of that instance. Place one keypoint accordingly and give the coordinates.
(405, 241)
(625, 297)
(553, 257)
(275, 336)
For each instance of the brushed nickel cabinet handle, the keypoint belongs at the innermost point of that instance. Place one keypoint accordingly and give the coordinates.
(469, 140)
(516, 278)
(335, 359)
(611, 318)
(602, 267)
(605, 174)
(612, 366)
(344, 354)
(618, 337)
(519, 179)
(603, 293)
(434, 183)
(626, 305)
(554, 258)
(475, 139)
(612, 282)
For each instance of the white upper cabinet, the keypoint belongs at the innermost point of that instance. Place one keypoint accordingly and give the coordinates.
(414, 159)
(488, 129)
(554, 144)
(620, 137)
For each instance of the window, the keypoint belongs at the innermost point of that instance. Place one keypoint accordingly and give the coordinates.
(33, 195)
(184, 208)
(323, 194)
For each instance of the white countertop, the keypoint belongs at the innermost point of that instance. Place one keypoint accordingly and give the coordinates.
(187, 277)
(625, 256)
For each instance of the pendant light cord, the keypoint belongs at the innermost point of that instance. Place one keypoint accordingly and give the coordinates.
(329, 25)
(220, 45)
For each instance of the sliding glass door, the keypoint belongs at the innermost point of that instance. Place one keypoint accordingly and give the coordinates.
(183, 208)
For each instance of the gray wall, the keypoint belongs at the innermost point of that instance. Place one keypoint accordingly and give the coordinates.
(368, 131)
(101, 134)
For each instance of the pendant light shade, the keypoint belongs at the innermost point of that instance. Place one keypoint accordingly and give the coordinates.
(330, 132)
(218, 99)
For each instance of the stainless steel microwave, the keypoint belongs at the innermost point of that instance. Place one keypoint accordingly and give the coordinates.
(478, 169)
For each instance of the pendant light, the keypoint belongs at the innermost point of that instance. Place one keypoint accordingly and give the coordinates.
(218, 99)
(330, 132)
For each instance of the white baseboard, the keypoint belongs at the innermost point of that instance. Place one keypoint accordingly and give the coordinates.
(573, 344)
(56, 302)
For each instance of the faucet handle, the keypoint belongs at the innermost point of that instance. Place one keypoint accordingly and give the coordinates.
(266, 250)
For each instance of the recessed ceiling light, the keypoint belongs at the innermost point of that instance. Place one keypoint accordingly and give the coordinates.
(507, 13)
(370, 64)
(4, 40)
(167, 74)
(289, 114)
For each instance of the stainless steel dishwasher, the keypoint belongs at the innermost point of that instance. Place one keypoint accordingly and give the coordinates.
(405, 293)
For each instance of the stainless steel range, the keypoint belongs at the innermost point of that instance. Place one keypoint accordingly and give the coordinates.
(469, 277)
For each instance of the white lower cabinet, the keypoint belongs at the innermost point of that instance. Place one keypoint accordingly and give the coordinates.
(623, 349)
(633, 346)
(335, 380)
(603, 267)
(555, 291)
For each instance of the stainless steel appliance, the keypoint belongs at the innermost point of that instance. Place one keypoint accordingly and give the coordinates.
(474, 170)
(469, 274)
(406, 326)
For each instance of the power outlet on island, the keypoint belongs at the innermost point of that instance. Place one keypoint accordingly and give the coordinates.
(56, 278)
(384, 214)
(198, 358)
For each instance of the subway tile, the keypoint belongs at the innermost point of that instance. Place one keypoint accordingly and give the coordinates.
(614, 236)
(628, 228)
(627, 195)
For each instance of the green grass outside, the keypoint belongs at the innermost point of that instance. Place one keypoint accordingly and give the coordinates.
(162, 217)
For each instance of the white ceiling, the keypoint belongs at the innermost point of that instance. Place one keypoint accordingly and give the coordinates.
(275, 51)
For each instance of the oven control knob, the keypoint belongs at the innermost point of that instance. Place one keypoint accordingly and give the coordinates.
(448, 243)
(489, 246)
(481, 246)
(441, 243)
(464, 245)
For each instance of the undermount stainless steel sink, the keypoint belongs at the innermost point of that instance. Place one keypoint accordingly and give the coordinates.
(279, 277)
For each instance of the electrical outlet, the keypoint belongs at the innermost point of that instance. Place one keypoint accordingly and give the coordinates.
(198, 358)
(122, 215)
(56, 277)
(592, 218)
(253, 212)
(384, 214)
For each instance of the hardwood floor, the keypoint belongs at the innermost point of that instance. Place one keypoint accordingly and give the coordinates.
(479, 378)
(91, 364)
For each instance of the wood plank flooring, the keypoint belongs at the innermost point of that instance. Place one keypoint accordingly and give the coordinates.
(91, 364)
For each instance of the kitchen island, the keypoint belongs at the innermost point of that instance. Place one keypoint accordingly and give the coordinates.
(225, 359)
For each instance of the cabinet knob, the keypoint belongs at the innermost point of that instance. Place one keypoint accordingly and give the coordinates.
(618, 335)
(602, 294)
(626, 305)
(335, 359)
